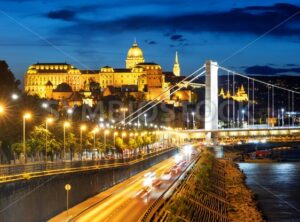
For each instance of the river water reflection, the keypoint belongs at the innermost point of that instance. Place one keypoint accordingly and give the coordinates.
(277, 186)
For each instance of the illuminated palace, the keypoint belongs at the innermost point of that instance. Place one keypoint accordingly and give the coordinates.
(60, 81)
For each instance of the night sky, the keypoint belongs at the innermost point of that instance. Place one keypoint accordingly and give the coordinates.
(92, 34)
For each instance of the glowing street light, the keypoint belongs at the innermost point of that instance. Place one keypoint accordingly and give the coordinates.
(194, 124)
(124, 134)
(282, 115)
(82, 128)
(115, 134)
(95, 131)
(124, 110)
(25, 117)
(15, 96)
(48, 120)
(69, 111)
(66, 125)
(145, 117)
(106, 132)
(45, 105)
(2, 109)
(243, 116)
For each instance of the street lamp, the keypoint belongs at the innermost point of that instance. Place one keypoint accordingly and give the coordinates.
(187, 120)
(25, 117)
(145, 116)
(115, 134)
(48, 120)
(106, 132)
(194, 124)
(66, 125)
(2, 109)
(95, 131)
(15, 96)
(45, 105)
(124, 110)
(282, 116)
(123, 135)
(82, 128)
(243, 117)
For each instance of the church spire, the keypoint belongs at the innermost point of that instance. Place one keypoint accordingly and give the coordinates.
(176, 58)
(176, 67)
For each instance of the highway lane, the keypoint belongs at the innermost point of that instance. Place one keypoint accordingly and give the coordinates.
(126, 201)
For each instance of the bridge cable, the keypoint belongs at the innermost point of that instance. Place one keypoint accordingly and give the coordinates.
(233, 101)
(259, 81)
(268, 110)
(273, 107)
(164, 92)
(228, 104)
(289, 108)
(248, 108)
(161, 99)
(253, 102)
(293, 111)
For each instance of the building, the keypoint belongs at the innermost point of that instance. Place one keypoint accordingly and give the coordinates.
(239, 96)
(43, 79)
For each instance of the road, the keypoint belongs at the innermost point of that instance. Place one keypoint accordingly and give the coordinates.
(124, 202)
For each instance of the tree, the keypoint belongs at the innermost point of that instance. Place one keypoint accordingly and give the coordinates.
(37, 142)
(8, 82)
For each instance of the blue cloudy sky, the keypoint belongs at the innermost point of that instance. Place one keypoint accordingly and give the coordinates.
(91, 34)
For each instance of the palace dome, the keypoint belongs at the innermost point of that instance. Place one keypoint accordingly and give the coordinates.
(135, 52)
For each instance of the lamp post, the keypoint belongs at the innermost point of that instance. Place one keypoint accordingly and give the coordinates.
(25, 117)
(48, 120)
(282, 117)
(194, 124)
(95, 131)
(115, 134)
(106, 132)
(187, 120)
(124, 110)
(66, 125)
(82, 128)
(123, 135)
(145, 116)
(243, 117)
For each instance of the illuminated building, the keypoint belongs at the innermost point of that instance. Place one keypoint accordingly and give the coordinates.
(240, 95)
(45, 79)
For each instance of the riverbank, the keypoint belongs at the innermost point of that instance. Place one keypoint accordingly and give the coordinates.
(214, 190)
(239, 196)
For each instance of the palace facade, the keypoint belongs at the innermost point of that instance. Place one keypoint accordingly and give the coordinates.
(46, 79)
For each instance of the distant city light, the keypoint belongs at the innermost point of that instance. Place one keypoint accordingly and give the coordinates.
(15, 96)
(45, 105)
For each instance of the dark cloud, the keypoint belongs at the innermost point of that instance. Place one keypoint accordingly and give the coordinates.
(267, 70)
(152, 43)
(176, 37)
(64, 14)
(247, 20)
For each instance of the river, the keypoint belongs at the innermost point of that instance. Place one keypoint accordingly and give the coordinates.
(277, 186)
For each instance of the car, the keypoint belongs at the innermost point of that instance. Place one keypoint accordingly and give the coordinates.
(156, 183)
(166, 175)
(144, 192)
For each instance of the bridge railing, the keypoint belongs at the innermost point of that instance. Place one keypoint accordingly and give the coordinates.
(18, 169)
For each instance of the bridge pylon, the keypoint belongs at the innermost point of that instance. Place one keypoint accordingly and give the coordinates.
(211, 96)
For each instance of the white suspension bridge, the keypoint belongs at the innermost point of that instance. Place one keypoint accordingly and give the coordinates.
(271, 128)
